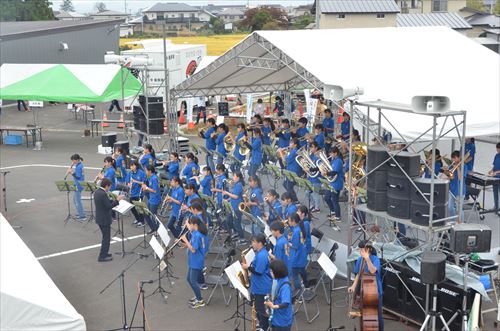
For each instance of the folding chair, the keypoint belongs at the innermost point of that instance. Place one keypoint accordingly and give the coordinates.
(308, 297)
(221, 280)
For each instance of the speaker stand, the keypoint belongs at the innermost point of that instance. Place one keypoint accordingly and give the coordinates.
(431, 316)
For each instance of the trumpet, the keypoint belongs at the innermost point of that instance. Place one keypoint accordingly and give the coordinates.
(244, 150)
(324, 166)
(306, 163)
(229, 143)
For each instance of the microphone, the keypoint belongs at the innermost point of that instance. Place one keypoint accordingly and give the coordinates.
(147, 281)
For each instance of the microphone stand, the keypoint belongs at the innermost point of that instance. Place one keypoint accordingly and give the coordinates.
(140, 296)
(121, 276)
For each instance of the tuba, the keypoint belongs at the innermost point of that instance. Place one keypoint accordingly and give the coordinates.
(324, 166)
(229, 144)
(244, 150)
(358, 160)
(306, 163)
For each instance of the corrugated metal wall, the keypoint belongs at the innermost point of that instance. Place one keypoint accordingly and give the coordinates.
(85, 46)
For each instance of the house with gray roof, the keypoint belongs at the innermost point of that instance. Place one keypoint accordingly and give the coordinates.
(451, 20)
(176, 16)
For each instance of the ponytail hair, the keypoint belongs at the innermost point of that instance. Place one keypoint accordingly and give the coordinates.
(296, 219)
(151, 150)
(76, 157)
(109, 159)
(202, 228)
(303, 209)
(197, 204)
(256, 179)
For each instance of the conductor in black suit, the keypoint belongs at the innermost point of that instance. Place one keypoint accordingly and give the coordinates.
(103, 206)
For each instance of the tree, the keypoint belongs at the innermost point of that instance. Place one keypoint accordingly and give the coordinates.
(67, 5)
(256, 18)
(304, 21)
(100, 7)
(476, 4)
(496, 10)
(217, 25)
(29, 10)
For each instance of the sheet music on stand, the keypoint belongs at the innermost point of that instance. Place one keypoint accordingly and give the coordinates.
(328, 266)
(232, 274)
(269, 234)
(250, 256)
(159, 251)
(123, 207)
(163, 233)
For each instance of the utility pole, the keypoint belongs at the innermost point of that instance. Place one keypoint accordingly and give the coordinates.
(318, 13)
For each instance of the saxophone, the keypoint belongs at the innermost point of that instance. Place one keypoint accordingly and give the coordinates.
(254, 317)
(243, 276)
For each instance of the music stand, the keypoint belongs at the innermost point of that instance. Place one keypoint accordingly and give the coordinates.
(208, 200)
(67, 186)
(122, 208)
(331, 270)
(160, 252)
(90, 187)
(232, 274)
(219, 155)
(142, 208)
(255, 220)
(204, 150)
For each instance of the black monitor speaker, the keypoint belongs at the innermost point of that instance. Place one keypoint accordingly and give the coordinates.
(409, 162)
(108, 139)
(377, 154)
(377, 180)
(470, 238)
(441, 190)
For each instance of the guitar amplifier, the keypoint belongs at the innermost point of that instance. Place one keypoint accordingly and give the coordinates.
(409, 162)
(398, 206)
(377, 154)
(441, 190)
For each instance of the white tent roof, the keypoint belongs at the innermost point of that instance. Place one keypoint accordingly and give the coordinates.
(392, 64)
(29, 298)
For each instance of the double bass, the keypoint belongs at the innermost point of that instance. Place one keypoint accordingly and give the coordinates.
(369, 301)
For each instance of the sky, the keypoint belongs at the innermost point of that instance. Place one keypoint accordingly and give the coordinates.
(87, 6)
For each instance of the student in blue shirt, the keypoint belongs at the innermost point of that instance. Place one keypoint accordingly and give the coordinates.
(289, 207)
(313, 197)
(301, 132)
(260, 280)
(152, 188)
(190, 193)
(198, 211)
(282, 248)
(256, 152)
(328, 123)
(371, 264)
(242, 133)
(209, 142)
(298, 251)
(172, 166)
(207, 181)
(220, 182)
(470, 147)
(135, 179)
(109, 171)
(191, 170)
(453, 201)
(292, 165)
(332, 198)
(196, 258)
(284, 134)
(495, 171)
(148, 156)
(305, 218)
(437, 167)
(319, 136)
(235, 198)
(256, 201)
(345, 126)
(273, 199)
(281, 298)
(175, 198)
(222, 131)
(267, 128)
(76, 171)
(121, 169)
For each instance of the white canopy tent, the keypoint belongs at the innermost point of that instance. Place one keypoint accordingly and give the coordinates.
(29, 298)
(391, 64)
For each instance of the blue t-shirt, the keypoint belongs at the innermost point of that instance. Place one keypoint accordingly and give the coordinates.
(298, 251)
(78, 176)
(437, 169)
(154, 197)
(284, 138)
(496, 164)
(290, 209)
(219, 184)
(109, 173)
(205, 184)
(173, 170)
(236, 152)
(455, 184)
(338, 183)
(220, 144)
(120, 164)
(256, 196)
(320, 140)
(291, 163)
(191, 170)
(470, 147)
(266, 130)
(147, 159)
(135, 189)
(261, 281)
(282, 317)
(209, 142)
(196, 260)
(301, 132)
(278, 209)
(314, 180)
(307, 227)
(345, 128)
(256, 158)
(177, 194)
(237, 190)
(376, 262)
(280, 250)
(328, 125)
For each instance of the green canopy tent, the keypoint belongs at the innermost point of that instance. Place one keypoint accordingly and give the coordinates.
(82, 83)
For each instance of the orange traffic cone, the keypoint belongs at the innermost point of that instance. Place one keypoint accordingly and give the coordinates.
(182, 120)
(301, 111)
(268, 110)
(104, 123)
(121, 125)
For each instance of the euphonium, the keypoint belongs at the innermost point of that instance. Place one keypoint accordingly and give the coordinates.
(244, 150)
(324, 166)
(306, 163)
(229, 144)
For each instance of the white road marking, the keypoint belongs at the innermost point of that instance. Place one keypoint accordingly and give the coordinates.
(81, 249)
(44, 165)
(25, 200)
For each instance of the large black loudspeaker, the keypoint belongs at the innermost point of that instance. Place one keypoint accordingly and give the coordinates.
(108, 139)
(154, 107)
(376, 200)
(409, 162)
(468, 238)
(223, 108)
(151, 100)
(399, 185)
(441, 190)
(398, 206)
(419, 213)
(124, 144)
(377, 180)
(138, 114)
(156, 127)
(432, 267)
(376, 155)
